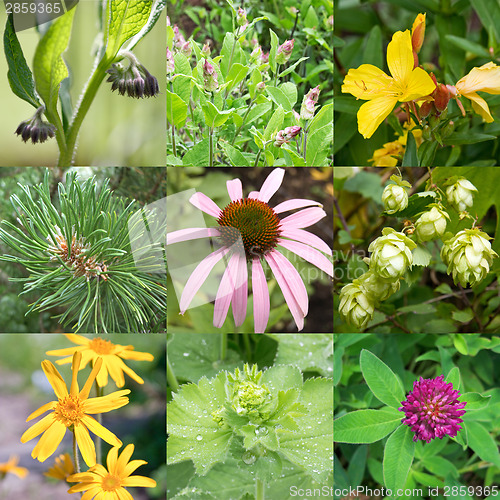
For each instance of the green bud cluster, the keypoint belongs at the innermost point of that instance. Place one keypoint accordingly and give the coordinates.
(395, 196)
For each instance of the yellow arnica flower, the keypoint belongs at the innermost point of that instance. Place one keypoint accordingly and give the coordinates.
(109, 484)
(485, 79)
(11, 466)
(382, 91)
(111, 355)
(63, 467)
(72, 411)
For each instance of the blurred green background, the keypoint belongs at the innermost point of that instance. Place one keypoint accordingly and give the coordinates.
(117, 130)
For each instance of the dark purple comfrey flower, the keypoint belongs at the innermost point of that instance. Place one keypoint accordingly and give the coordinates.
(432, 409)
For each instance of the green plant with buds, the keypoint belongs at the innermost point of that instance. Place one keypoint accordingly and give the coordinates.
(90, 254)
(46, 85)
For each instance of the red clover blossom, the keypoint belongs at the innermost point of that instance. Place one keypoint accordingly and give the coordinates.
(432, 409)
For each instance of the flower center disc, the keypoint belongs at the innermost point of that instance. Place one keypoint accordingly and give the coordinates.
(69, 410)
(101, 346)
(110, 483)
(252, 223)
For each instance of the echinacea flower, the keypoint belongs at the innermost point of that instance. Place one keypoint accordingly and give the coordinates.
(432, 409)
(110, 483)
(382, 91)
(249, 232)
(11, 467)
(486, 78)
(63, 468)
(72, 411)
(112, 356)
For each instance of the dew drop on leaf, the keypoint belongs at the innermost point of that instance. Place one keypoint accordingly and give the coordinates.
(248, 457)
(199, 437)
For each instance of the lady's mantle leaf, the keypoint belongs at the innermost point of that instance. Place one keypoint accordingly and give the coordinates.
(19, 74)
(193, 433)
(125, 18)
(49, 67)
(311, 447)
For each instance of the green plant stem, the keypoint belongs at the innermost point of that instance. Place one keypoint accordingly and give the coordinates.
(256, 164)
(173, 128)
(304, 144)
(244, 119)
(171, 378)
(229, 66)
(75, 453)
(211, 146)
(259, 489)
(55, 119)
(66, 157)
(223, 346)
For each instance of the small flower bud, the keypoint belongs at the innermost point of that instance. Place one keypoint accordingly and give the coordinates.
(205, 51)
(210, 77)
(441, 97)
(170, 62)
(264, 57)
(256, 53)
(284, 136)
(356, 306)
(241, 17)
(36, 128)
(186, 49)
(284, 51)
(329, 23)
(468, 256)
(308, 103)
(260, 87)
(431, 224)
(418, 33)
(460, 194)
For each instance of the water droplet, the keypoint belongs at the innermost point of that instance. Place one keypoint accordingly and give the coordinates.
(248, 457)
(261, 431)
(185, 354)
(199, 437)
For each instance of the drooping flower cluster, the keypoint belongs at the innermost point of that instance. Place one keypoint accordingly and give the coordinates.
(432, 409)
(36, 128)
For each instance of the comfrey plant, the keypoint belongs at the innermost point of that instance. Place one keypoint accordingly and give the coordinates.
(123, 24)
(87, 254)
(468, 254)
(258, 429)
(240, 107)
(433, 410)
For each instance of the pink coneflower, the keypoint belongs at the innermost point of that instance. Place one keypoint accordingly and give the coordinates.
(432, 409)
(249, 232)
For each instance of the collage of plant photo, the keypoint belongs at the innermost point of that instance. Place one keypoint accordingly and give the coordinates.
(166, 249)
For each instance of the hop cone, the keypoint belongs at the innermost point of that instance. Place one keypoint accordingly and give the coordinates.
(432, 409)
(460, 194)
(431, 224)
(394, 198)
(468, 256)
(356, 305)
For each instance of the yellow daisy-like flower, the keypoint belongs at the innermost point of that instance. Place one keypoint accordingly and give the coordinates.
(72, 411)
(111, 355)
(382, 91)
(110, 484)
(11, 466)
(63, 468)
(388, 155)
(484, 79)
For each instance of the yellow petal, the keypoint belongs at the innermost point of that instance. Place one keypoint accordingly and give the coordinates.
(120, 464)
(84, 394)
(100, 431)
(132, 466)
(55, 379)
(137, 355)
(145, 482)
(42, 409)
(480, 106)
(123, 494)
(49, 441)
(38, 428)
(365, 82)
(106, 403)
(400, 57)
(85, 444)
(372, 113)
(75, 367)
(420, 84)
(485, 78)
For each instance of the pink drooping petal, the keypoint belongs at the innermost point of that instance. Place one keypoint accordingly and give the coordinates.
(308, 253)
(293, 204)
(271, 184)
(304, 218)
(240, 295)
(192, 233)
(205, 204)
(306, 237)
(235, 189)
(254, 195)
(231, 280)
(198, 277)
(291, 285)
(261, 304)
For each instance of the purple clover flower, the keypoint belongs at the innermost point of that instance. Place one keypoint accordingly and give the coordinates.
(432, 409)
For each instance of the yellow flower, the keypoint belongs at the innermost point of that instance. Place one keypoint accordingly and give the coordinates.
(62, 468)
(11, 466)
(388, 155)
(109, 484)
(486, 79)
(382, 91)
(111, 354)
(72, 411)
(418, 32)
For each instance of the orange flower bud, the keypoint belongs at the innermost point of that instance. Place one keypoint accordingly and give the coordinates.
(418, 32)
(441, 97)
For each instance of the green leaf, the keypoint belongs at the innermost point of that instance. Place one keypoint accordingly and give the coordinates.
(410, 158)
(176, 109)
(381, 380)
(489, 14)
(193, 433)
(213, 116)
(463, 316)
(236, 75)
(475, 401)
(373, 48)
(274, 124)
(279, 97)
(182, 84)
(482, 443)
(156, 11)
(124, 20)
(458, 138)
(272, 53)
(469, 46)
(257, 111)
(318, 145)
(421, 256)
(198, 155)
(454, 377)
(49, 68)
(235, 157)
(19, 74)
(417, 204)
(365, 426)
(398, 457)
(292, 67)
